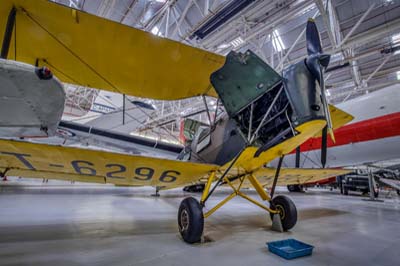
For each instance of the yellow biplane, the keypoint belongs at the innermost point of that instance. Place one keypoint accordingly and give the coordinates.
(267, 114)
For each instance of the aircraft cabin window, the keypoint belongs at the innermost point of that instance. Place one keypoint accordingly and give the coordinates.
(202, 138)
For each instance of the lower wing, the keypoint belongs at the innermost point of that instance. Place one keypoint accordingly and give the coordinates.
(18, 158)
(291, 176)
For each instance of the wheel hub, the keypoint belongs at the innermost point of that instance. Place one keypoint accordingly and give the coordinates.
(184, 220)
(281, 211)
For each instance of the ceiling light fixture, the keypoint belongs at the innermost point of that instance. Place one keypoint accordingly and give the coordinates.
(156, 31)
(395, 41)
(236, 42)
(223, 46)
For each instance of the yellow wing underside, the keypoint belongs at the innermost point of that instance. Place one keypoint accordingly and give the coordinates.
(66, 163)
(34, 160)
(289, 176)
(123, 59)
(339, 118)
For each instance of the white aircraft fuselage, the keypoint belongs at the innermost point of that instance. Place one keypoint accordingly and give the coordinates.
(373, 135)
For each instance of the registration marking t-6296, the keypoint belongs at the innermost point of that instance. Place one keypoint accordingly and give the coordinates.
(114, 170)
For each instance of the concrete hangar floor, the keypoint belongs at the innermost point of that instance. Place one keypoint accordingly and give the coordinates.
(60, 224)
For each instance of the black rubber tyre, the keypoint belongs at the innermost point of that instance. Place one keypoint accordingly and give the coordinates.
(190, 220)
(295, 188)
(398, 192)
(345, 191)
(194, 188)
(287, 211)
(291, 188)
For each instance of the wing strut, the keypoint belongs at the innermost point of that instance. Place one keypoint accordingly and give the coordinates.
(205, 198)
(298, 157)
(3, 174)
(8, 33)
(324, 146)
(278, 169)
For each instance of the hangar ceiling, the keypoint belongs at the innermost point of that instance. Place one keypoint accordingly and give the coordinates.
(362, 35)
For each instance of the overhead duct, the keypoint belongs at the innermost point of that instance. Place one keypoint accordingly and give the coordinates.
(221, 17)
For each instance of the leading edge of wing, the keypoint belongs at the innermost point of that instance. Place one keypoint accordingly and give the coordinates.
(339, 118)
(87, 50)
(27, 159)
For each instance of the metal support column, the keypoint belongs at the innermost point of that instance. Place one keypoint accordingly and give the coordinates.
(371, 186)
(371, 182)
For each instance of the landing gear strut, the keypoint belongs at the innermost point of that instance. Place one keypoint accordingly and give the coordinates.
(191, 216)
(287, 211)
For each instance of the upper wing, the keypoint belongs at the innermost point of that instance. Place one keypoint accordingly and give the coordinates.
(289, 176)
(56, 162)
(91, 51)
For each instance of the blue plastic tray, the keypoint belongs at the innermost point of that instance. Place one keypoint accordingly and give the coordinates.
(290, 248)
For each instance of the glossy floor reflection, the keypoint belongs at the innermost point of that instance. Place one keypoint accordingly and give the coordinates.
(62, 224)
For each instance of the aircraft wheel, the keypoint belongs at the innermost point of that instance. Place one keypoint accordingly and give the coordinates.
(190, 220)
(398, 192)
(345, 191)
(287, 211)
(295, 188)
(194, 188)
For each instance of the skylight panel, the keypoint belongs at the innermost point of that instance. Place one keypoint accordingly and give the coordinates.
(277, 41)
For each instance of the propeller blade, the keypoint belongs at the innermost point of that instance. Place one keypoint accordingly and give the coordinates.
(317, 62)
(324, 145)
(312, 37)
